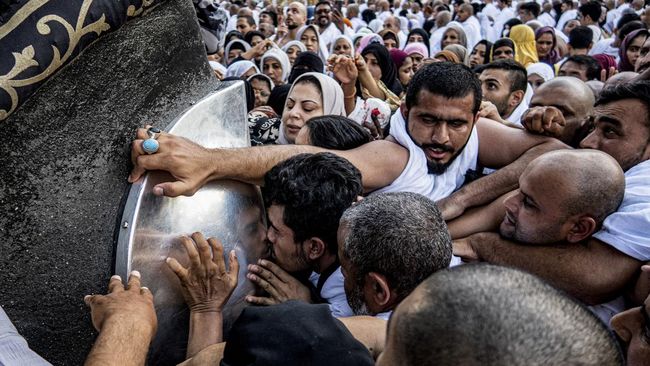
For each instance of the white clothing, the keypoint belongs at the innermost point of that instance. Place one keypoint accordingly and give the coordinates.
(384, 316)
(515, 116)
(473, 32)
(500, 21)
(455, 261)
(607, 310)
(334, 293)
(546, 19)
(490, 11)
(604, 46)
(597, 33)
(329, 35)
(435, 40)
(565, 17)
(416, 178)
(627, 229)
(357, 23)
(402, 39)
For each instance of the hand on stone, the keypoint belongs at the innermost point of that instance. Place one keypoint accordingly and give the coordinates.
(280, 285)
(206, 284)
(182, 158)
(124, 307)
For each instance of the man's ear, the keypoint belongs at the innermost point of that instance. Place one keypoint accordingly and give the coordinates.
(314, 248)
(582, 228)
(377, 292)
(404, 110)
(516, 97)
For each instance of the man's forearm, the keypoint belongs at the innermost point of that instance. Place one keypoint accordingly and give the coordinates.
(206, 329)
(250, 164)
(506, 179)
(593, 272)
(121, 344)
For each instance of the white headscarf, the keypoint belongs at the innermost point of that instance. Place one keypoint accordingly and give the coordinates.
(239, 68)
(260, 75)
(217, 66)
(541, 69)
(290, 44)
(281, 56)
(322, 51)
(376, 25)
(229, 45)
(347, 39)
(331, 92)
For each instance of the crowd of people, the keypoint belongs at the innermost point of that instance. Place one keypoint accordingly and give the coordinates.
(396, 144)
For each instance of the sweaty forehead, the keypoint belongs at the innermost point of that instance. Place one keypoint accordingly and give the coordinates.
(502, 76)
(626, 110)
(443, 107)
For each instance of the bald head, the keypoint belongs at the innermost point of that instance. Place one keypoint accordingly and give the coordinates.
(571, 96)
(621, 77)
(591, 181)
(443, 18)
(479, 314)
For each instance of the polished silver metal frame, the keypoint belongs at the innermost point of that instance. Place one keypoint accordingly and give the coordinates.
(228, 210)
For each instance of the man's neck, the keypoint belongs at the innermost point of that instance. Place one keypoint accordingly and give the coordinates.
(323, 28)
(324, 262)
(293, 33)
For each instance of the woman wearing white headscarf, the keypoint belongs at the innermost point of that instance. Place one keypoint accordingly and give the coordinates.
(241, 69)
(275, 64)
(310, 37)
(538, 74)
(311, 95)
(338, 47)
(292, 49)
(454, 34)
(235, 44)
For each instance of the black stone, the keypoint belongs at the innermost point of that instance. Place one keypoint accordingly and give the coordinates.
(64, 160)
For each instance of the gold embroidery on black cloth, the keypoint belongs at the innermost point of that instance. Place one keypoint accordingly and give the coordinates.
(25, 58)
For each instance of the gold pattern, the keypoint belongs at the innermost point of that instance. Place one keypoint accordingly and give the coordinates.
(132, 12)
(25, 59)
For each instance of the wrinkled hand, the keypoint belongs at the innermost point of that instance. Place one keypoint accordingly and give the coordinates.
(206, 285)
(218, 74)
(548, 121)
(463, 248)
(450, 207)
(343, 68)
(280, 285)
(259, 49)
(490, 111)
(183, 159)
(281, 31)
(130, 306)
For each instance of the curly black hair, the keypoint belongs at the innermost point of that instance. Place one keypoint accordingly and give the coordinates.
(315, 190)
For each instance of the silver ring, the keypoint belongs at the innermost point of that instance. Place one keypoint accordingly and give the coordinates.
(150, 146)
(153, 132)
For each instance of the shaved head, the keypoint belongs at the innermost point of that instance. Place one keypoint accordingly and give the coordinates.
(479, 314)
(571, 96)
(594, 181)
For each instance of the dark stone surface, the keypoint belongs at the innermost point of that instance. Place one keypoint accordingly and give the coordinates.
(64, 159)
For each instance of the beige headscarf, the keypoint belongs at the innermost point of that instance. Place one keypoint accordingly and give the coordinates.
(333, 101)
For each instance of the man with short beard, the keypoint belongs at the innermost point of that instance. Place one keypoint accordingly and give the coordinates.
(388, 244)
(436, 145)
(330, 23)
(295, 19)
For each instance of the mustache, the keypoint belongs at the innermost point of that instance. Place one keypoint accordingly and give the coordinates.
(439, 147)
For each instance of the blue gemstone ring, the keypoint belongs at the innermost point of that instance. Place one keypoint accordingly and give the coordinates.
(150, 146)
(153, 132)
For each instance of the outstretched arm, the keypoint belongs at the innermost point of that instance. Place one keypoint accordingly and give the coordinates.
(593, 271)
(192, 165)
(500, 147)
(479, 219)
